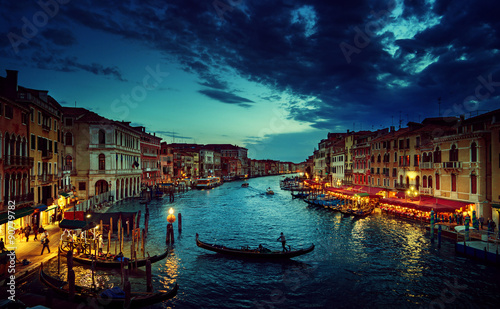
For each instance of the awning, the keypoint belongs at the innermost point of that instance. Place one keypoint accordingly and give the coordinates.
(18, 213)
(64, 194)
(41, 207)
(401, 194)
(497, 206)
(76, 225)
(52, 207)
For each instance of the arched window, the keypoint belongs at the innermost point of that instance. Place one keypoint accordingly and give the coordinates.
(68, 139)
(373, 159)
(424, 181)
(102, 137)
(417, 182)
(473, 184)
(102, 162)
(453, 182)
(68, 162)
(453, 153)
(437, 155)
(429, 182)
(378, 158)
(438, 183)
(473, 152)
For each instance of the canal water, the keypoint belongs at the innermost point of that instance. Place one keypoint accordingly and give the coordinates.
(374, 262)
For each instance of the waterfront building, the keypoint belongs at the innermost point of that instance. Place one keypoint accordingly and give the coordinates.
(150, 157)
(206, 162)
(166, 163)
(102, 154)
(15, 163)
(361, 158)
(233, 151)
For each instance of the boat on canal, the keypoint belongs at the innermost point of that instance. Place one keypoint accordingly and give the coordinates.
(86, 259)
(245, 185)
(112, 300)
(253, 254)
(208, 183)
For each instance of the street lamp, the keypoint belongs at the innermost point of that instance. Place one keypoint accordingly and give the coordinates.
(171, 217)
(412, 192)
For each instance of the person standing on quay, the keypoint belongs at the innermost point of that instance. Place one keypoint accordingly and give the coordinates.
(27, 233)
(481, 222)
(283, 242)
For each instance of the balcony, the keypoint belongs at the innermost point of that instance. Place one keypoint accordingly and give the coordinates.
(348, 171)
(45, 178)
(426, 165)
(18, 161)
(45, 127)
(402, 186)
(452, 165)
(47, 155)
(425, 191)
(20, 199)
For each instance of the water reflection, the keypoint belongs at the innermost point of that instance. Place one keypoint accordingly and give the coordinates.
(377, 261)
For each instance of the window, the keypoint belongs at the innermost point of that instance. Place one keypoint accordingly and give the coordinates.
(437, 156)
(32, 115)
(407, 143)
(33, 142)
(473, 152)
(438, 185)
(102, 137)
(395, 157)
(473, 184)
(9, 112)
(39, 117)
(424, 181)
(453, 182)
(429, 182)
(68, 140)
(55, 146)
(417, 143)
(453, 155)
(82, 186)
(68, 162)
(416, 160)
(24, 118)
(102, 162)
(378, 158)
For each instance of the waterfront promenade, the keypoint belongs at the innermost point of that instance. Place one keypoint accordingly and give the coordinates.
(31, 251)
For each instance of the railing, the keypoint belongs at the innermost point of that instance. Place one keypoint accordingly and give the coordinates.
(47, 155)
(426, 191)
(45, 127)
(45, 178)
(426, 165)
(452, 164)
(23, 198)
(18, 161)
(402, 186)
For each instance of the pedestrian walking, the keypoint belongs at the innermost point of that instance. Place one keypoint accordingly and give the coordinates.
(2, 245)
(35, 232)
(481, 222)
(45, 242)
(41, 230)
(27, 234)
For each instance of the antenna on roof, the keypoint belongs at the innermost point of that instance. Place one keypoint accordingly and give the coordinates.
(439, 106)
(400, 120)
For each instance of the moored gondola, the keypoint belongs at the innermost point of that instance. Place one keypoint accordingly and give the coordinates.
(112, 263)
(257, 254)
(83, 294)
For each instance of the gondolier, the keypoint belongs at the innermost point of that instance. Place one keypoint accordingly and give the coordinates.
(283, 242)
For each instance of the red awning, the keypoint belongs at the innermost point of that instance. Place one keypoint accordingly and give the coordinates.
(401, 194)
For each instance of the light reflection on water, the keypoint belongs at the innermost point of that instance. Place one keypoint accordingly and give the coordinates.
(378, 261)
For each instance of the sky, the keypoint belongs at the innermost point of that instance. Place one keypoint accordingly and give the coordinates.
(272, 76)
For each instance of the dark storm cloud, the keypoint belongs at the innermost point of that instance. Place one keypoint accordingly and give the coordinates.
(226, 97)
(260, 41)
(71, 64)
(61, 37)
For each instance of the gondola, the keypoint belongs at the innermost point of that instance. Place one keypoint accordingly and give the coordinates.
(247, 253)
(83, 294)
(103, 263)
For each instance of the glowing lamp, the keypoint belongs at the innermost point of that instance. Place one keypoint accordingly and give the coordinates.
(171, 217)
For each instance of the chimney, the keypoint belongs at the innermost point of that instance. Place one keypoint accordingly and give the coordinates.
(10, 86)
(393, 129)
